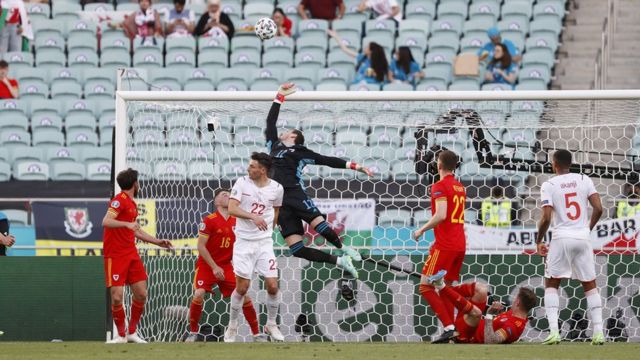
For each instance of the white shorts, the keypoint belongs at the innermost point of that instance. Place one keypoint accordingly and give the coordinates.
(251, 256)
(570, 258)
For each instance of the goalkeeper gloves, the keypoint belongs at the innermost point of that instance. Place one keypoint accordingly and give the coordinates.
(284, 90)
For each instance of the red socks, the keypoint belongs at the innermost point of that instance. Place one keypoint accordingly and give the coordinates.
(117, 313)
(250, 315)
(462, 304)
(437, 304)
(195, 312)
(136, 313)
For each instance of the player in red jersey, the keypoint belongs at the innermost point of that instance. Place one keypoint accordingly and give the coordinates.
(498, 326)
(122, 264)
(213, 267)
(448, 199)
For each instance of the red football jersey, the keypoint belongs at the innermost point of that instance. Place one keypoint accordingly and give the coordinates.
(511, 326)
(450, 233)
(221, 238)
(121, 241)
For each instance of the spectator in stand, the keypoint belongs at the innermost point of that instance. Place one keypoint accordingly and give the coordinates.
(144, 23)
(8, 87)
(487, 51)
(214, 22)
(372, 66)
(6, 239)
(321, 9)
(15, 26)
(180, 21)
(501, 70)
(497, 210)
(384, 9)
(630, 206)
(283, 22)
(404, 67)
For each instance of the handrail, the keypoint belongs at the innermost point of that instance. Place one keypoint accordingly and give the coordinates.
(603, 56)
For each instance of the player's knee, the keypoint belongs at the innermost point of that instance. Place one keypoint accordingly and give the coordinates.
(140, 295)
(475, 313)
(272, 287)
(480, 292)
(198, 295)
(116, 296)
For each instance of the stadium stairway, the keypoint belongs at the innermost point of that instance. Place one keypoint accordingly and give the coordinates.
(624, 68)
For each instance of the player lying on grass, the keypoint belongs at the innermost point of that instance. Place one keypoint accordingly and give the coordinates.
(498, 326)
(213, 267)
(290, 156)
(122, 264)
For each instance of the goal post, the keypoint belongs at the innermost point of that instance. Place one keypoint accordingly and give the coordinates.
(504, 140)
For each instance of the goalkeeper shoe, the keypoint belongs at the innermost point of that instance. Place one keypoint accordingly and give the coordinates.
(345, 262)
(192, 337)
(231, 333)
(117, 340)
(353, 253)
(598, 339)
(135, 338)
(552, 339)
(274, 332)
(448, 336)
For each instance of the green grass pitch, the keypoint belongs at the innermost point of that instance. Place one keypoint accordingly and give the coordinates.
(312, 351)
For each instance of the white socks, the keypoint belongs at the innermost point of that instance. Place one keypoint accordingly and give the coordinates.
(236, 306)
(273, 304)
(594, 306)
(551, 304)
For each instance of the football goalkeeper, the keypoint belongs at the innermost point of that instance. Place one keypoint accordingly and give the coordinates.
(290, 156)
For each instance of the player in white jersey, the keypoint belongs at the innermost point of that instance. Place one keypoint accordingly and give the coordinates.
(255, 202)
(570, 254)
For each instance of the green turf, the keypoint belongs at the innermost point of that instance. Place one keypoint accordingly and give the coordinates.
(323, 351)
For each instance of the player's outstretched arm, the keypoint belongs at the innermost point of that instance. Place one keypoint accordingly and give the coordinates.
(438, 217)
(144, 236)
(202, 250)
(596, 204)
(271, 131)
(235, 210)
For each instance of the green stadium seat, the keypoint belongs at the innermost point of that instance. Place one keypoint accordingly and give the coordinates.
(66, 11)
(414, 27)
(202, 171)
(48, 137)
(513, 24)
(82, 138)
(336, 75)
(213, 59)
(364, 87)
(264, 84)
(351, 41)
(542, 41)
(98, 7)
(82, 42)
(441, 71)
(432, 85)
(277, 58)
(5, 171)
(424, 10)
(79, 106)
(115, 41)
(453, 10)
(245, 59)
(80, 121)
(395, 218)
(16, 121)
(44, 28)
(65, 90)
(545, 26)
(339, 58)
(41, 106)
(464, 85)
(157, 43)
(246, 43)
(404, 171)
(473, 43)
(233, 10)
(14, 138)
(28, 74)
(538, 57)
(213, 44)
(521, 8)
(99, 90)
(30, 90)
(99, 171)
(379, 28)
(485, 9)
(148, 58)
(233, 170)
(444, 41)
(397, 87)
(257, 10)
(180, 59)
(37, 11)
(19, 60)
(182, 137)
(144, 169)
(181, 43)
(351, 137)
(82, 27)
(312, 59)
(30, 171)
(347, 27)
(27, 153)
(99, 154)
(448, 27)
(68, 172)
(477, 25)
(313, 27)
(51, 41)
(149, 138)
(55, 155)
(50, 58)
(496, 87)
(301, 75)
(535, 72)
(44, 120)
(417, 44)
(550, 8)
(311, 43)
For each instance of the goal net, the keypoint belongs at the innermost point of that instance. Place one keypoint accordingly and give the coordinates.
(504, 139)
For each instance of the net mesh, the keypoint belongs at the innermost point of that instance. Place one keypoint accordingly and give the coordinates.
(181, 163)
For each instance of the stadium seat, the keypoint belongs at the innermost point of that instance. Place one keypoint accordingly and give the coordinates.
(277, 58)
(418, 44)
(444, 41)
(513, 25)
(397, 87)
(546, 26)
(519, 8)
(148, 120)
(245, 59)
(13, 138)
(50, 107)
(37, 11)
(149, 138)
(351, 41)
(30, 171)
(182, 137)
(351, 137)
(533, 72)
(53, 41)
(50, 58)
(5, 171)
(99, 171)
(485, 9)
(395, 218)
(55, 155)
(439, 71)
(424, 10)
(180, 59)
(213, 45)
(68, 172)
(66, 11)
(181, 43)
(384, 137)
(99, 90)
(257, 10)
(80, 121)
(313, 59)
(98, 7)
(46, 120)
(202, 171)
(30, 90)
(18, 60)
(386, 42)
(246, 43)
(551, 9)
(29, 73)
(538, 57)
(213, 58)
(83, 59)
(496, 87)
(347, 27)
(301, 75)
(26, 153)
(81, 138)
(542, 41)
(339, 59)
(380, 28)
(464, 85)
(65, 90)
(267, 75)
(432, 85)
(170, 171)
(144, 169)
(44, 28)
(477, 25)
(311, 44)
(79, 106)
(364, 87)
(135, 79)
(15, 121)
(313, 27)
(100, 154)
(147, 57)
(473, 43)
(404, 171)
(82, 31)
(232, 85)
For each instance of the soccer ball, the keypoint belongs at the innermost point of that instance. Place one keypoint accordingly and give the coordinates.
(266, 28)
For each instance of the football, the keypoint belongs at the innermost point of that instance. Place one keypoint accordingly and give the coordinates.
(266, 28)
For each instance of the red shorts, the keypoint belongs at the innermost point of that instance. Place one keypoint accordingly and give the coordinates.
(469, 334)
(444, 260)
(121, 271)
(205, 279)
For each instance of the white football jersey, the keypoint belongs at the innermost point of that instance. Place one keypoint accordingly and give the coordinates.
(568, 194)
(256, 200)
